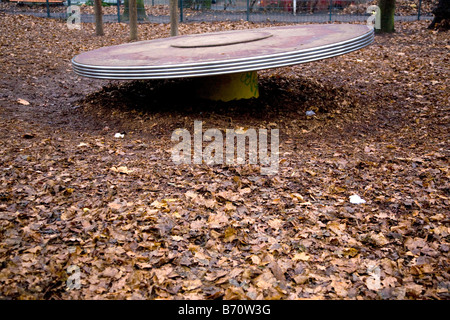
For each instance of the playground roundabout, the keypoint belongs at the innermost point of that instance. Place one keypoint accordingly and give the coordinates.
(231, 53)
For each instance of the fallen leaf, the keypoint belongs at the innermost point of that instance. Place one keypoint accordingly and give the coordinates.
(23, 102)
(121, 169)
(177, 238)
(230, 234)
(189, 285)
(302, 256)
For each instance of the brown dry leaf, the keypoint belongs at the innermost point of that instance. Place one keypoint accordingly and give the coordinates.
(121, 169)
(144, 265)
(209, 203)
(213, 276)
(350, 252)
(255, 259)
(389, 282)
(245, 191)
(375, 238)
(229, 206)
(265, 280)
(235, 293)
(110, 272)
(380, 239)
(116, 204)
(159, 204)
(298, 197)
(373, 283)
(414, 289)
(275, 223)
(312, 173)
(190, 285)
(217, 220)
(302, 256)
(191, 194)
(177, 238)
(23, 102)
(197, 224)
(336, 227)
(228, 195)
(230, 234)
(341, 288)
(276, 270)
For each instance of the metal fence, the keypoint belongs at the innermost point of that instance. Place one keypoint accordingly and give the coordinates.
(291, 11)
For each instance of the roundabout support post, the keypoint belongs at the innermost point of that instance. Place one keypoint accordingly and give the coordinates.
(228, 87)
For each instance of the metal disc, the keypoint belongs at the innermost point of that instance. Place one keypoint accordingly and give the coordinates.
(222, 52)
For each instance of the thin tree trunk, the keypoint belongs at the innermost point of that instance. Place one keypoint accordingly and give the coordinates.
(387, 8)
(98, 17)
(133, 20)
(141, 15)
(173, 18)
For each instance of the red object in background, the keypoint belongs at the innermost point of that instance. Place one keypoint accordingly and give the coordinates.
(285, 5)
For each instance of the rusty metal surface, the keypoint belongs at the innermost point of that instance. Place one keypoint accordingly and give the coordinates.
(223, 52)
(219, 40)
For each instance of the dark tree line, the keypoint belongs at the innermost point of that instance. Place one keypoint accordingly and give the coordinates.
(387, 7)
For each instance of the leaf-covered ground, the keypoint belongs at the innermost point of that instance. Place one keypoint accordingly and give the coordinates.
(140, 227)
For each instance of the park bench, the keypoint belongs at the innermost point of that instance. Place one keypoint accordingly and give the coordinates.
(37, 1)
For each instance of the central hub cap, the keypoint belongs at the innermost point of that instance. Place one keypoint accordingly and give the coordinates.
(215, 40)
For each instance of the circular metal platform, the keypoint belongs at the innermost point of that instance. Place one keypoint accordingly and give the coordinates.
(222, 52)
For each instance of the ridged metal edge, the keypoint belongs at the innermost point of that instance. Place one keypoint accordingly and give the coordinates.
(290, 56)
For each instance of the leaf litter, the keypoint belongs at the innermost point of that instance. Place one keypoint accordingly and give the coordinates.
(140, 227)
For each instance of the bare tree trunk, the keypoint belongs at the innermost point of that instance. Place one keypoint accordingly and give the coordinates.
(98, 17)
(133, 20)
(141, 15)
(173, 18)
(387, 8)
(441, 15)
